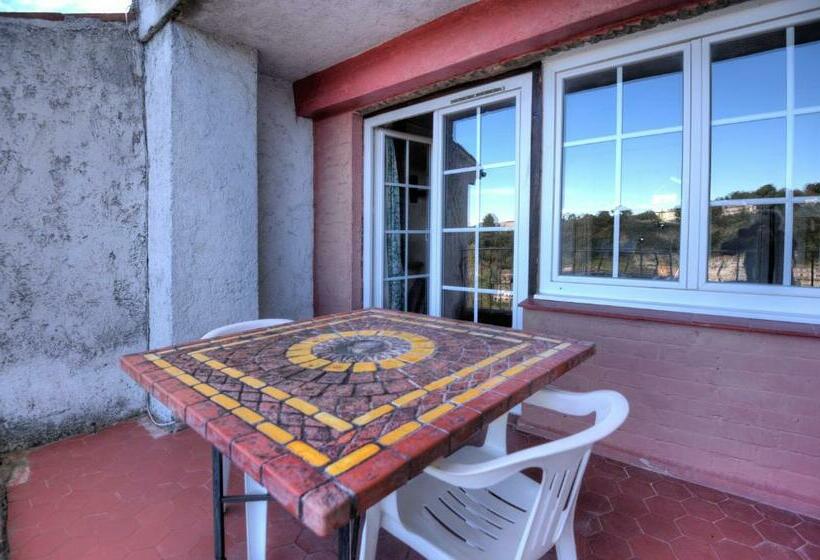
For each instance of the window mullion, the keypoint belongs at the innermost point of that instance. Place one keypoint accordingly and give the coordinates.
(478, 205)
(788, 233)
(616, 226)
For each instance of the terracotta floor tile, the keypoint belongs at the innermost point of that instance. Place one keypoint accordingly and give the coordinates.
(780, 534)
(122, 493)
(739, 532)
(729, 550)
(688, 548)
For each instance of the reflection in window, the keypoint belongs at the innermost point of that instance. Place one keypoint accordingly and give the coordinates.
(806, 252)
(458, 260)
(589, 106)
(746, 244)
(458, 305)
(498, 201)
(495, 260)
(771, 154)
(749, 75)
(650, 207)
(498, 132)
(653, 94)
(623, 185)
(749, 159)
(807, 65)
(807, 155)
(460, 200)
(495, 309)
(479, 213)
(460, 140)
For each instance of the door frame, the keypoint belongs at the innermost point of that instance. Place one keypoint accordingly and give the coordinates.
(519, 87)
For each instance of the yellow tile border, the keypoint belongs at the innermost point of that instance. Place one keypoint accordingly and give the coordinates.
(307, 452)
(352, 459)
(394, 436)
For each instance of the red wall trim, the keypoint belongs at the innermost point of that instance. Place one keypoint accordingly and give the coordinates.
(471, 38)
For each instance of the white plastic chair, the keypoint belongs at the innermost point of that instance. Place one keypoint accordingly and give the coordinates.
(256, 513)
(478, 504)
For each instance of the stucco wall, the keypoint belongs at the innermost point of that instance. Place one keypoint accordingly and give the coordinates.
(200, 97)
(73, 289)
(285, 159)
(731, 410)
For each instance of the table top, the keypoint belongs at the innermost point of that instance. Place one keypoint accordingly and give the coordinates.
(333, 414)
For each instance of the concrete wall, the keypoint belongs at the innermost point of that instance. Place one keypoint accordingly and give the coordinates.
(201, 124)
(73, 292)
(337, 172)
(285, 156)
(732, 410)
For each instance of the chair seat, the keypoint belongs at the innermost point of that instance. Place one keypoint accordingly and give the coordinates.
(444, 521)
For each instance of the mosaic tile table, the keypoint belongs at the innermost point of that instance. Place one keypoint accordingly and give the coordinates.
(333, 414)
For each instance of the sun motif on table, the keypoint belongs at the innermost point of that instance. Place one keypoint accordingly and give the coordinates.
(360, 351)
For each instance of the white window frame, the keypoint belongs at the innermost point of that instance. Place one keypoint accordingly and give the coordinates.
(691, 292)
(518, 87)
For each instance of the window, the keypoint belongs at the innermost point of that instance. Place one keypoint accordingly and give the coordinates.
(688, 169)
(622, 171)
(765, 171)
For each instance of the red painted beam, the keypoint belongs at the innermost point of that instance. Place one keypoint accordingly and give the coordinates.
(470, 38)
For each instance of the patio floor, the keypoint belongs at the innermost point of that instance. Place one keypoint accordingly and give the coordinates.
(134, 492)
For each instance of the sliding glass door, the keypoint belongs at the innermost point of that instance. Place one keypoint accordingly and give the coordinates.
(450, 211)
(479, 205)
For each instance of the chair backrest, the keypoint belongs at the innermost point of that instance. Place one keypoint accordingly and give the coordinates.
(562, 463)
(234, 328)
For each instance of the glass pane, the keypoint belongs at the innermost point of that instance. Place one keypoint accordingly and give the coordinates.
(457, 305)
(746, 244)
(651, 173)
(495, 309)
(395, 158)
(653, 94)
(807, 154)
(650, 200)
(749, 160)
(460, 140)
(498, 132)
(650, 245)
(394, 295)
(749, 75)
(419, 164)
(586, 213)
(460, 200)
(458, 260)
(417, 253)
(806, 254)
(417, 295)
(497, 202)
(495, 260)
(807, 65)
(589, 105)
(394, 254)
(586, 244)
(419, 208)
(394, 212)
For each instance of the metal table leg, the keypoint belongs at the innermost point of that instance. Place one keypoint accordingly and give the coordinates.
(220, 500)
(219, 521)
(348, 539)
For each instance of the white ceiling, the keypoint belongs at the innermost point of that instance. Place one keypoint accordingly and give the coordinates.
(296, 38)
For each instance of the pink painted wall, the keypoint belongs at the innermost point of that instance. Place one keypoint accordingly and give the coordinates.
(737, 411)
(471, 38)
(337, 172)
